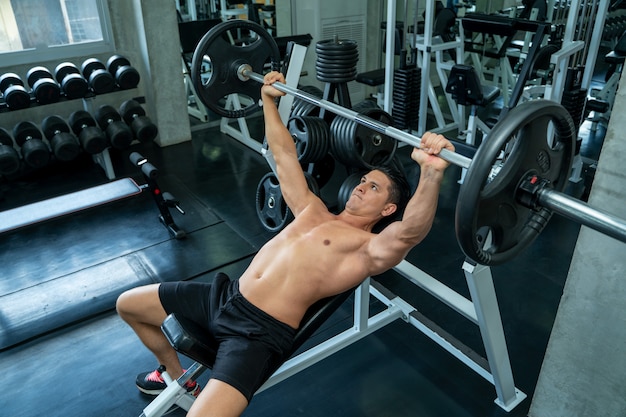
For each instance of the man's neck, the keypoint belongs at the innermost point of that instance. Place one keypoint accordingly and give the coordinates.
(358, 222)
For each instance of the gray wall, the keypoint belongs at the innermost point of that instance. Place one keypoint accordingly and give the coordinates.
(584, 370)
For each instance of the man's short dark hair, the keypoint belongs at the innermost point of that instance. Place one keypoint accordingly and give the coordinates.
(399, 193)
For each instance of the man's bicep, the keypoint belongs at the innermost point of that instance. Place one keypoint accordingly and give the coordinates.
(386, 250)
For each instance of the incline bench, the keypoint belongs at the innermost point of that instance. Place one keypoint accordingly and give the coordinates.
(191, 340)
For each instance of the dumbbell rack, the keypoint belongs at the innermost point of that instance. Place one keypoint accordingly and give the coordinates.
(121, 87)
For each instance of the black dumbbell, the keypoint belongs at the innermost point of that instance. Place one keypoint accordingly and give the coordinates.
(125, 75)
(118, 132)
(135, 116)
(9, 158)
(65, 146)
(45, 89)
(73, 84)
(15, 94)
(100, 80)
(91, 137)
(34, 150)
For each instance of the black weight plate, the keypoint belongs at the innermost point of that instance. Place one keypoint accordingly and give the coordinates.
(5, 137)
(105, 114)
(35, 153)
(518, 145)
(25, 130)
(346, 188)
(130, 109)
(16, 97)
(65, 146)
(216, 52)
(51, 125)
(335, 65)
(334, 45)
(101, 81)
(127, 78)
(79, 119)
(323, 170)
(349, 58)
(271, 208)
(93, 139)
(46, 91)
(90, 65)
(63, 69)
(36, 73)
(9, 160)
(74, 86)
(374, 148)
(115, 62)
(8, 79)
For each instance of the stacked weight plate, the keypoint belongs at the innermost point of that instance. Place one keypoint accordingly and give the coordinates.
(336, 61)
(406, 94)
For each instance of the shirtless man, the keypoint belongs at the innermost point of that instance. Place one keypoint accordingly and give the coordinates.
(319, 254)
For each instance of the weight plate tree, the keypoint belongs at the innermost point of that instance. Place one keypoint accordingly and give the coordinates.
(512, 185)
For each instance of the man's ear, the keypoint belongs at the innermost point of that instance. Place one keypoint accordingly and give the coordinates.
(389, 209)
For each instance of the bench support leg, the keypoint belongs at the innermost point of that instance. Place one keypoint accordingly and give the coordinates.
(175, 394)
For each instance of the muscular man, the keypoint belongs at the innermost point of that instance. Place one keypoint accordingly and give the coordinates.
(319, 254)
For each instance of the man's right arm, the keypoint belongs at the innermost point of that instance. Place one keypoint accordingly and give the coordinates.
(293, 185)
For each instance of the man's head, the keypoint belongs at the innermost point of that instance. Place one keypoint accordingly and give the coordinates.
(383, 191)
(399, 190)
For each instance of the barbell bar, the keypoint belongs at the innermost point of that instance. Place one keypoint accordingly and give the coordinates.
(513, 183)
(245, 72)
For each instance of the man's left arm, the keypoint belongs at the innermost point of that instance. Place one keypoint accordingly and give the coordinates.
(392, 244)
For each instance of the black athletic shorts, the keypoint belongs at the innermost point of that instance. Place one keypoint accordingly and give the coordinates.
(251, 343)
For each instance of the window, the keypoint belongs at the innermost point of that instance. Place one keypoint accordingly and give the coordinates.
(39, 30)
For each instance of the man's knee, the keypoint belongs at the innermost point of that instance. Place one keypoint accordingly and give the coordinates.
(137, 301)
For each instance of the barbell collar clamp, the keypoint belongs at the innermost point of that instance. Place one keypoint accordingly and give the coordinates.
(244, 72)
(527, 193)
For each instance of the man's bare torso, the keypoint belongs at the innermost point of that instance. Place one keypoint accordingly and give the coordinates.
(316, 256)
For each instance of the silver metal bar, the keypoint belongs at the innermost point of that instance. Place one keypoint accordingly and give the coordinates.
(581, 212)
(246, 72)
(483, 294)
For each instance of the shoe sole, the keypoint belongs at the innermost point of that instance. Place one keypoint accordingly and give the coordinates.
(153, 392)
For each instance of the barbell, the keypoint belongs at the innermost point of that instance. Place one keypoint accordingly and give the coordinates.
(514, 181)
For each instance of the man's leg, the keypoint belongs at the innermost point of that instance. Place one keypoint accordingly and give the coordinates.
(218, 399)
(141, 308)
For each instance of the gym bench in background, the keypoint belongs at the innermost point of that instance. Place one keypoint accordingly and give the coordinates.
(56, 207)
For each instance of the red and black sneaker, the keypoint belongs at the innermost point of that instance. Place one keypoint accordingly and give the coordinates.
(152, 383)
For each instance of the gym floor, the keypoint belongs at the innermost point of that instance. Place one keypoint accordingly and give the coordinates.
(65, 352)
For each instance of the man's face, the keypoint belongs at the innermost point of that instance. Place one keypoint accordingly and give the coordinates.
(371, 195)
